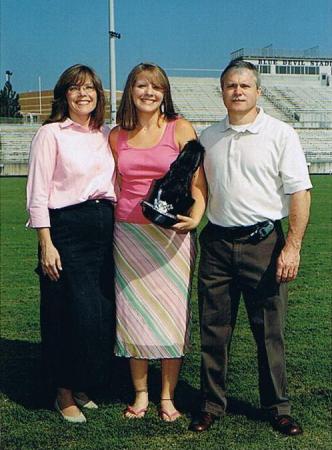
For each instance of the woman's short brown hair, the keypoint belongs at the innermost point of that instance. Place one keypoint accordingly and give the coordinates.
(76, 75)
(127, 114)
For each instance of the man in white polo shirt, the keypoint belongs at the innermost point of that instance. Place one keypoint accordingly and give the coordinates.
(257, 174)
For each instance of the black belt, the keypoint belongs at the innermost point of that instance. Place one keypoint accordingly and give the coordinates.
(96, 201)
(257, 231)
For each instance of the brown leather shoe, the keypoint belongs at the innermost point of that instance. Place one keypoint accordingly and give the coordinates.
(286, 425)
(203, 422)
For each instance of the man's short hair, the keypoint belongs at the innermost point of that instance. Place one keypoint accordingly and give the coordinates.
(238, 64)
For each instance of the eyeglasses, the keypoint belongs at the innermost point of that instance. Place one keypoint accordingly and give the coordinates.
(87, 88)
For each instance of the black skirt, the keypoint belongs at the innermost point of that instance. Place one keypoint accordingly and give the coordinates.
(77, 311)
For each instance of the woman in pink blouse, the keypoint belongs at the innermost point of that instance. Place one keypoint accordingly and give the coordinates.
(70, 196)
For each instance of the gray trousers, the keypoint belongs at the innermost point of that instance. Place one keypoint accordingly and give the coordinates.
(228, 268)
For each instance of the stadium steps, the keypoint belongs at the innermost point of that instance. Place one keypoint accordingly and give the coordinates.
(197, 99)
(271, 109)
(15, 142)
(317, 144)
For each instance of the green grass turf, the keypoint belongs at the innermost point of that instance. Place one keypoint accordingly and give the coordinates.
(28, 421)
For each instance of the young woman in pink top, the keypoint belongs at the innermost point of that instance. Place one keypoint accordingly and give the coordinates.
(154, 266)
(70, 195)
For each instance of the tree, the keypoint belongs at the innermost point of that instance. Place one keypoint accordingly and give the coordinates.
(9, 100)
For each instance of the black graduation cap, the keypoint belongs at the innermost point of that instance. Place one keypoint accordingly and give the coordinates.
(171, 194)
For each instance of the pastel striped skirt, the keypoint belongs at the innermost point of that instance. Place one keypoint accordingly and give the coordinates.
(153, 275)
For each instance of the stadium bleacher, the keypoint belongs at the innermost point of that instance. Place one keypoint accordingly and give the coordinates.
(303, 105)
(197, 99)
(15, 143)
(300, 100)
(297, 100)
(317, 144)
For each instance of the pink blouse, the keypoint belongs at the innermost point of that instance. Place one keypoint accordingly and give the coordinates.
(69, 164)
(138, 167)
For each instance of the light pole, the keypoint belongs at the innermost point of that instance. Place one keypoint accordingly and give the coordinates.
(40, 95)
(112, 36)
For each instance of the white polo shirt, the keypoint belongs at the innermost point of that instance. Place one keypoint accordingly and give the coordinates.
(251, 170)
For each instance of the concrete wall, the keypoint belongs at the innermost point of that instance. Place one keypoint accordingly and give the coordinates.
(13, 169)
(320, 168)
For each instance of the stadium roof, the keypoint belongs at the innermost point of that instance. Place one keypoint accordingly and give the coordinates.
(269, 51)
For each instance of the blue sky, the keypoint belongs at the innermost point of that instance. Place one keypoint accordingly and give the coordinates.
(43, 37)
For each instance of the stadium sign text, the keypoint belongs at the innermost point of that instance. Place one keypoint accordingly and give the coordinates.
(294, 62)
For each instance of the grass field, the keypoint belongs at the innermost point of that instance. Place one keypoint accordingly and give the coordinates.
(28, 421)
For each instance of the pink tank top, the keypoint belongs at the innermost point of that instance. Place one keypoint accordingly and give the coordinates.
(138, 167)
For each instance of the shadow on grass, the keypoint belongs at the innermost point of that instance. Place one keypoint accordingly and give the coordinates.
(21, 380)
(235, 407)
(238, 407)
